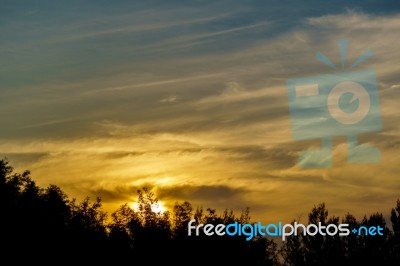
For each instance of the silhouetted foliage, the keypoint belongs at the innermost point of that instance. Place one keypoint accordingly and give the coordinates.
(352, 249)
(43, 225)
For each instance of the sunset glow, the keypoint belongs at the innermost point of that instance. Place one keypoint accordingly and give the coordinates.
(157, 208)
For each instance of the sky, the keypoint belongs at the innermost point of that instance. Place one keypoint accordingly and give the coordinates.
(189, 98)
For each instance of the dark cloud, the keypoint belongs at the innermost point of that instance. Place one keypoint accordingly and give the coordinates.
(219, 195)
(371, 197)
(209, 196)
(116, 194)
(308, 179)
(23, 159)
(120, 154)
(277, 156)
(204, 192)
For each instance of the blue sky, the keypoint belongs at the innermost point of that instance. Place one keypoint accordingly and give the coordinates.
(189, 97)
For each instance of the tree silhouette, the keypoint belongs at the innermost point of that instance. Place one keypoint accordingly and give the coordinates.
(352, 249)
(42, 225)
(181, 217)
(394, 245)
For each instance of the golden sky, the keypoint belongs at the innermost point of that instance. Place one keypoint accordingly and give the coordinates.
(191, 101)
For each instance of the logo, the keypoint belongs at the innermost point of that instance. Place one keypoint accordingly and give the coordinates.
(338, 104)
(279, 229)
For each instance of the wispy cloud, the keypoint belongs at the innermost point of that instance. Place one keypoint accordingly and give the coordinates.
(128, 25)
(161, 82)
(355, 20)
(169, 99)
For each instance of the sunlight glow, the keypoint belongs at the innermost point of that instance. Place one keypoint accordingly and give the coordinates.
(157, 208)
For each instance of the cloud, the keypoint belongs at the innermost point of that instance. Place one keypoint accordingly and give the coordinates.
(21, 160)
(160, 83)
(236, 93)
(206, 195)
(169, 99)
(198, 39)
(202, 193)
(354, 20)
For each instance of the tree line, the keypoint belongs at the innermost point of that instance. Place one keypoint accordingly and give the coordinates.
(43, 225)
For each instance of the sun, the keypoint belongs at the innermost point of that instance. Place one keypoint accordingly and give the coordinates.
(157, 207)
